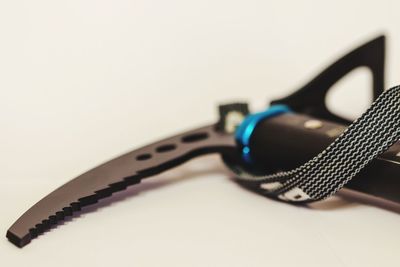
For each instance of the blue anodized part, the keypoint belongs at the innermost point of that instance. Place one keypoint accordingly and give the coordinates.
(246, 128)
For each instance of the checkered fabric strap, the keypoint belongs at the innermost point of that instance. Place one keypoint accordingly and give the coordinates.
(366, 138)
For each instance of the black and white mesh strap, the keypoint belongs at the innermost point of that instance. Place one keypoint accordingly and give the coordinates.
(367, 137)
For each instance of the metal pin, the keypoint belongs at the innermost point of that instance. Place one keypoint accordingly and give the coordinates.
(313, 124)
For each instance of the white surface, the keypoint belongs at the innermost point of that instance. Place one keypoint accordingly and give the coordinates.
(84, 81)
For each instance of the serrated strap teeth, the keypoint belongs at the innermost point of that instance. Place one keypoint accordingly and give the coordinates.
(104, 192)
(132, 180)
(75, 206)
(53, 219)
(89, 200)
(116, 175)
(118, 186)
(39, 227)
(67, 211)
(33, 232)
(46, 224)
(60, 215)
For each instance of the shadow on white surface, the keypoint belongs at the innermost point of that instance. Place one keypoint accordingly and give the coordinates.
(333, 203)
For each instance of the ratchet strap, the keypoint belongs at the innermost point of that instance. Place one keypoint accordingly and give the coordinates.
(366, 138)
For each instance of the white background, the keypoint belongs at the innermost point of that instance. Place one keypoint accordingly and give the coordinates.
(84, 81)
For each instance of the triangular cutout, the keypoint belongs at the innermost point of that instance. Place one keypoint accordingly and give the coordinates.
(310, 99)
(358, 83)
